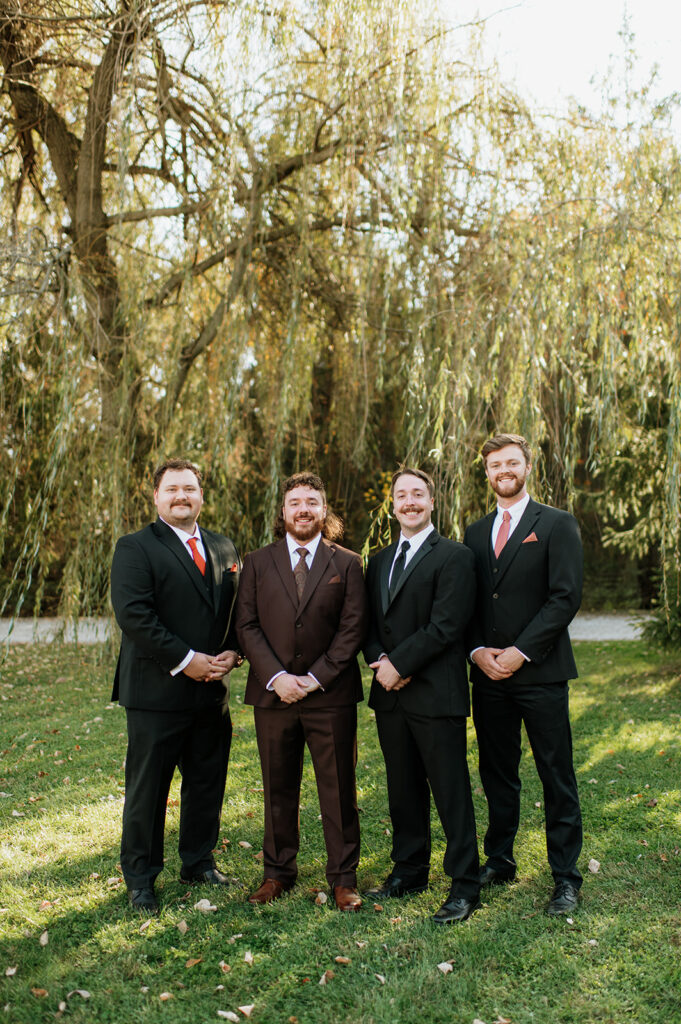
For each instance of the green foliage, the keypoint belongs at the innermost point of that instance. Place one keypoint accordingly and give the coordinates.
(61, 776)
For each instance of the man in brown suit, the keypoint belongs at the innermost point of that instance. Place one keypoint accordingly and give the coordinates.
(300, 622)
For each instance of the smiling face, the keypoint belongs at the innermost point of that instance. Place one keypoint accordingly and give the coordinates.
(412, 504)
(178, 498)
(304, 513)
(507, 471)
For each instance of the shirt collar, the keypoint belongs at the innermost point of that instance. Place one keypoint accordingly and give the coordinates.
(311, 545)
(417, 540)
(182, 534)
(516, 510)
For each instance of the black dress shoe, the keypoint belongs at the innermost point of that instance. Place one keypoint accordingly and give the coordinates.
(563, 899)
(143, 900)
(490, 876)
(456, 908)
(210, 877)
(394, 887)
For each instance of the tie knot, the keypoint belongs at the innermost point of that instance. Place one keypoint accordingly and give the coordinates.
(301, 552)
(506, 516)
(404, 547)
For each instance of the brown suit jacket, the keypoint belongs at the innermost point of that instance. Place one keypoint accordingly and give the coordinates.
(321, 635)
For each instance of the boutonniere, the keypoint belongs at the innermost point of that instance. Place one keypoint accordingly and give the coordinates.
(234, 567)
(531, 538)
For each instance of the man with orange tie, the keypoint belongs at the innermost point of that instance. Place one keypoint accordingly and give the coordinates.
(173, 588)
(529, 583)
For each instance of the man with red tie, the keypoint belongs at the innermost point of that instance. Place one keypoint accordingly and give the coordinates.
(173, 587)
(529, 583)
(300, 622)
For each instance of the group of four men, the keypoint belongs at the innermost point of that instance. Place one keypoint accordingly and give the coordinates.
(302, 612)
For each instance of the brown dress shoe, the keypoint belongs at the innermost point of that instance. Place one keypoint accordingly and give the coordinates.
(346, 897)
(270, 890)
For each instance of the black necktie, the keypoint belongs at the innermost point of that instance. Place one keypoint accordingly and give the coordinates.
(398, 567)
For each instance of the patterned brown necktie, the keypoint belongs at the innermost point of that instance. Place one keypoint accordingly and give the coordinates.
(197, 556)
(300, 572)
(504, 531)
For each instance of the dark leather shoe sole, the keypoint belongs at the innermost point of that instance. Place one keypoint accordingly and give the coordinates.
(387, 892)
(454, 911)
(210, 877)
(488, 876)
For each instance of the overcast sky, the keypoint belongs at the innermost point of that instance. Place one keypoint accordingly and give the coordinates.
(553, 48)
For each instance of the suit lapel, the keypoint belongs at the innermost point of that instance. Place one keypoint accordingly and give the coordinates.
(425, 549)
(282, 561)
(384, 575)
(216, 567)
(170, 539)
(322, 557)
(522, 530)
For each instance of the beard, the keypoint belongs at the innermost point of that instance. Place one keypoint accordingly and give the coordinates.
(508, 488)
(304, 530)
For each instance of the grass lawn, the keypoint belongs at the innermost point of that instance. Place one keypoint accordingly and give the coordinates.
(70, 947)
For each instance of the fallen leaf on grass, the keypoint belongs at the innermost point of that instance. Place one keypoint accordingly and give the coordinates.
(183, 927)
(342, 959)
(248, 957)
(381, 978)
(232, 939)
(193, 961)
(321, 898)
(594, 866)
(145, 924)
(247, 1010)
(245, 845)
(114, 881)
(651, 803)
(10, 971)
(326, 977)
(18, 814)
(258, 856)
(445, 967)
(46, 904)
(44, 938)
(225, 968)
(165, 996)
(378, 908)
(360, 945)
(205, 906)
(82, 992)
(39, 993)
(478, 1021)
(395, 920)
(61, 1007)
(228, 1015)
(593, 942)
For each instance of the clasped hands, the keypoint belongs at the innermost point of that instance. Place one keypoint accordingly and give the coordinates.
(208, 668)
(291, 689)
(387, 675)
(498, 662)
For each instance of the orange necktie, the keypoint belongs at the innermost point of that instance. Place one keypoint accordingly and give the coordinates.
(197, 556)
(504, 531)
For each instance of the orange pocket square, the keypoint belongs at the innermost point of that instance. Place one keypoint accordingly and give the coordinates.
(335, 579)
(531, 538)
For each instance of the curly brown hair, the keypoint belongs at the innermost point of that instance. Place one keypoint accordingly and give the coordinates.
(332, 527)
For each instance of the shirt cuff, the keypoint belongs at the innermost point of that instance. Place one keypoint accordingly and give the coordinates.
(275, 676)
(183, 664)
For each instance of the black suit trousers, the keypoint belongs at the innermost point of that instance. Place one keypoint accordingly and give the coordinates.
(196, 742)
(424, 755)
(499, 709)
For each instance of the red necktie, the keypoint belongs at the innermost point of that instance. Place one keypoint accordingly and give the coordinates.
(197, 556)
(502, 536)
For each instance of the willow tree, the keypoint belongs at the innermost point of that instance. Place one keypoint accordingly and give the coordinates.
(315, 235)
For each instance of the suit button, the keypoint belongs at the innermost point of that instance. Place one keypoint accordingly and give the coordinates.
(495, 596)
(387, 629)
(495, 571)
(298, 655)
(299, 625)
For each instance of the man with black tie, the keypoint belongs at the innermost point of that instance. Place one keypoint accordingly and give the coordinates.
(421, 595)
(172, 589)
(300, 622)
(529, 567)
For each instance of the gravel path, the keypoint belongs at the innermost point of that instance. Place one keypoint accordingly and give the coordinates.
(586, 626)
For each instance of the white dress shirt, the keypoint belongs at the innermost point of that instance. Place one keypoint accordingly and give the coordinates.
(185, 538)
(414, 543)
(515, 511)
(311, 546)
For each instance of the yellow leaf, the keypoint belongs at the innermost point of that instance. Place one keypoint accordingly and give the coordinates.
(342, 959)
(165, 996)
(39, 993)
(193, 961)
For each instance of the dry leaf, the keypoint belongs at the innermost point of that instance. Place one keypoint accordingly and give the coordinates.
(248, 957)
(381, 978)
(145, 924)
(478, 1021)
(445, 967)
(114, 881)
(594, 865)
(593, 942)
(228, 1015)
(44, 938)
(259, 856)
(10, 971)
(378, 908)
(326, 976)
(183, 927)
(395, 920)
(193, 961)
(225, 968)
(247, 1010)
(360, 945)
(62, 1006)
(205, 906)
(342, 959)
(651, 803)
(321, 898)
(165, 996)
(245, 845)
(39, 993)
(144, 988)
(82, 992)
(46, 904)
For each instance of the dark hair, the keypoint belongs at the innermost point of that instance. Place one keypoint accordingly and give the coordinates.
(175, 464)
(502, 441)
(332, 527)
(420, 473)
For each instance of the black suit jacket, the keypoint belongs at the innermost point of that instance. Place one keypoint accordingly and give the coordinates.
(166, 608)
(422, 627)
(320, 634)
(529, 596)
